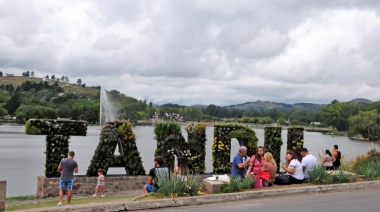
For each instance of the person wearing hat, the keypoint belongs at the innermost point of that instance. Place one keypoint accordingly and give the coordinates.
(68, 166)
(309, 162)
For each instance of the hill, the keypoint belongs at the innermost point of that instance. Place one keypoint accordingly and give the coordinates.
(267, 105)
(361, 101)
(92, 92)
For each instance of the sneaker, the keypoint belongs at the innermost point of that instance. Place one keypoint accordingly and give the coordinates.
(94, 195)
(103, 195)
(59, 204)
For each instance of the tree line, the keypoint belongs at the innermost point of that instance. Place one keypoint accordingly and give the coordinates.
(48, 99)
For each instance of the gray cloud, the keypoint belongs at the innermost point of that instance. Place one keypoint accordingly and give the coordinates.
(200, 52)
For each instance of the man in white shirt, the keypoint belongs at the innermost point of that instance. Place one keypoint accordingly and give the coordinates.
(309, 162)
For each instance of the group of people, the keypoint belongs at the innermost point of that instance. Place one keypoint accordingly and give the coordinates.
(262, 164)
(331, 161)
(68, 166)
(257, 164)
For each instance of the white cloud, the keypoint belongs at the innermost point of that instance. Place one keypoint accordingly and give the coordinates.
(203, 52)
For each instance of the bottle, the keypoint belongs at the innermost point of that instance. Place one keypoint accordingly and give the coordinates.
(243, 159)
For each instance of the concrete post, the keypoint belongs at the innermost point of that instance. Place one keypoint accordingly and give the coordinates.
(3, 189)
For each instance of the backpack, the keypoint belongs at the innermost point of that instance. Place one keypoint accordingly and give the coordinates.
(282, 179)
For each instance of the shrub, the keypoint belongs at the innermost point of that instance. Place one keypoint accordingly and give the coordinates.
(173, 186)
(341, 177)
(248, 183)
(237, 184)
(368, 165)
(371, 171)
(192, 185)
(234, 185)
(170, 186)
(319, 176)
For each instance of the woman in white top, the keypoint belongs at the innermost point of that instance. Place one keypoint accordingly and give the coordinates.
(293, 168)
(327, 160)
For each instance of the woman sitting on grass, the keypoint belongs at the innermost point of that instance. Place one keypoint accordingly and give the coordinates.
(270, 166)
(293, 168)
(182, 169)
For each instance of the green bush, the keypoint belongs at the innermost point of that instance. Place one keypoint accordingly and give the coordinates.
(371, 171)
(368, 165)
(170, 186)
(319, 176)
(341, 176)
(234, 185)
(173, 186)
(248, 183)
(193, 185)
(237, 184)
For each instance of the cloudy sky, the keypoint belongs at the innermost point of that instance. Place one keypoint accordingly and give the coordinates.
(200, 52)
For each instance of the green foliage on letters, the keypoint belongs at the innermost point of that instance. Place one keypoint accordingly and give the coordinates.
(221, 148)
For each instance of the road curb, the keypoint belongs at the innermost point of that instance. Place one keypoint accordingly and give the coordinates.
(207, 199)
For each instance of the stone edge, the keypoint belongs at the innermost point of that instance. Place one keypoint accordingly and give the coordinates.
(214, 198)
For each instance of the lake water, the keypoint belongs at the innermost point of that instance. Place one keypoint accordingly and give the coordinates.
(22, 156)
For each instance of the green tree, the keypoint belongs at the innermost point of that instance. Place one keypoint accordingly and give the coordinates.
(366, 124)
(281, 121)
(10, 88)
(212, 110)
(1, 74)
(13, 103)
(265, 120)
(85, 110)
(26, 112)
(3, 112)
(337, 114)
(64, 111)
(4, 97)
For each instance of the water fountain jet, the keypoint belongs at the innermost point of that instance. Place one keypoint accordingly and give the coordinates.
(108, 111)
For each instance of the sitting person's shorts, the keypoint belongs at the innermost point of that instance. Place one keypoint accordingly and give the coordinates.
(66, 183)
(151, 188)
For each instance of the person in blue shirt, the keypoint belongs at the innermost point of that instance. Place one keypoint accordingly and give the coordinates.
(239, 163)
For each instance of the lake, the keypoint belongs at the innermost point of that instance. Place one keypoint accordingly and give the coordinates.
(22, 156)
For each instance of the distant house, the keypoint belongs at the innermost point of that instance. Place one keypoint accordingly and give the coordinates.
(315, 123)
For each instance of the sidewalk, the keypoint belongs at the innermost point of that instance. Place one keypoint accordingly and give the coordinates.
(131, 205)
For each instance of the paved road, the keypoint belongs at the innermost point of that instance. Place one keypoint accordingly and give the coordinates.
(356, 201)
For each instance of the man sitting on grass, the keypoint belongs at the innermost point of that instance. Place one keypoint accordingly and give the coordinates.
(151, 187)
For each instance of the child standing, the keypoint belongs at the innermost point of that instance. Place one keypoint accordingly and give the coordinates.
(100, 183)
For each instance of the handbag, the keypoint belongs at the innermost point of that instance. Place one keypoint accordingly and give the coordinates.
(265, 175)
(282, 179)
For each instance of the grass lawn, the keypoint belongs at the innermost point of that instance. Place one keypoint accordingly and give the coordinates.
(30, 202)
